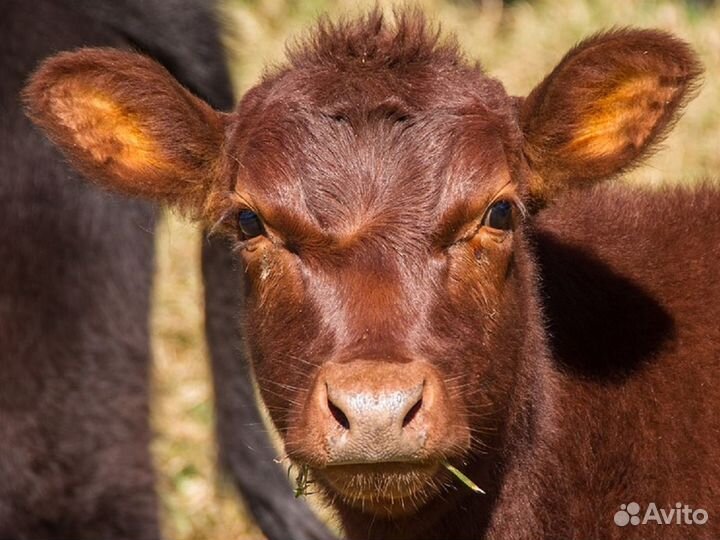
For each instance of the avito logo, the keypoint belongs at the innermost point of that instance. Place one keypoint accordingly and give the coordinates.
(680, 514)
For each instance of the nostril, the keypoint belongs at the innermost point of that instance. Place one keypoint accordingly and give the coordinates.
(412, 413)
(338, 415)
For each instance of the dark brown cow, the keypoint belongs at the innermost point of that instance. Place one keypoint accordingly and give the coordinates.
(427, 284)
(76, 268)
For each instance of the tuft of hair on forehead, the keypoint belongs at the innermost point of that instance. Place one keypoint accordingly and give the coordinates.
(357, 131)
(374, 42)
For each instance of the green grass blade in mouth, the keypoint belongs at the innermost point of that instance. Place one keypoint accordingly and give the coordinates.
(464, 479)
(302, 481)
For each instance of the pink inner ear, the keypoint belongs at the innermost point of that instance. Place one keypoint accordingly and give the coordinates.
(109, 134)
(623, 119)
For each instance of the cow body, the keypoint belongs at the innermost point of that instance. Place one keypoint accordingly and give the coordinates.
(75, 300)
(431, 279)
(627, 282)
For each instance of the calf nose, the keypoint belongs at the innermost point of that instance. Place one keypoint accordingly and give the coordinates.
(386, 412)
(371, 412)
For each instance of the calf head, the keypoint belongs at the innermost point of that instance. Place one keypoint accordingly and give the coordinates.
(376, 188)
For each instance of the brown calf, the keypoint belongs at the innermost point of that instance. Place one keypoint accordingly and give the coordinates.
(426, 284)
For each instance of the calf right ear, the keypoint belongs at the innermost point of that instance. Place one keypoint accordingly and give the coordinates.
(605, 107)
(126, 123)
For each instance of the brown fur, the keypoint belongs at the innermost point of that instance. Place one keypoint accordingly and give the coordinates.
(83, 94)
(607, 104)
(578, 349)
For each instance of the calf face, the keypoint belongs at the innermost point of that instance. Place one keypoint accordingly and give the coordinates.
(377, 187)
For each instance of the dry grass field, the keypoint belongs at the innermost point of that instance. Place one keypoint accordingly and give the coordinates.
(517, 44)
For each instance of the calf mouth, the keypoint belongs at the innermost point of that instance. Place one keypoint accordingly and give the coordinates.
(386, 488)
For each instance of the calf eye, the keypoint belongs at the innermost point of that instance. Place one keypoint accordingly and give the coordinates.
(499, 216)
(250, 224)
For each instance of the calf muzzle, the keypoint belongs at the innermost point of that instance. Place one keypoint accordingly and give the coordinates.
(367, 412)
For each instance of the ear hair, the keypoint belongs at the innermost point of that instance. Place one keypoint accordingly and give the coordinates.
(608, 104)
(126, 123)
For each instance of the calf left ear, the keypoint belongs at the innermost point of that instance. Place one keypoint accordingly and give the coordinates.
(606, 105)
(126, 123)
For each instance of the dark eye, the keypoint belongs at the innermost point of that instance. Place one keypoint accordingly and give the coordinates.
(250, 224)
(500, 216)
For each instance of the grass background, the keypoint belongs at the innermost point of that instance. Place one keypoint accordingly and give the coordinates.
(518, 44)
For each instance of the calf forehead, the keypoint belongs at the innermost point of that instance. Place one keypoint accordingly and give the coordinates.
(372, 132)
(373, 158)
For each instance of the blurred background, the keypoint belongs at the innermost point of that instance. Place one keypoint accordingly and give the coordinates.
(518, 42)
